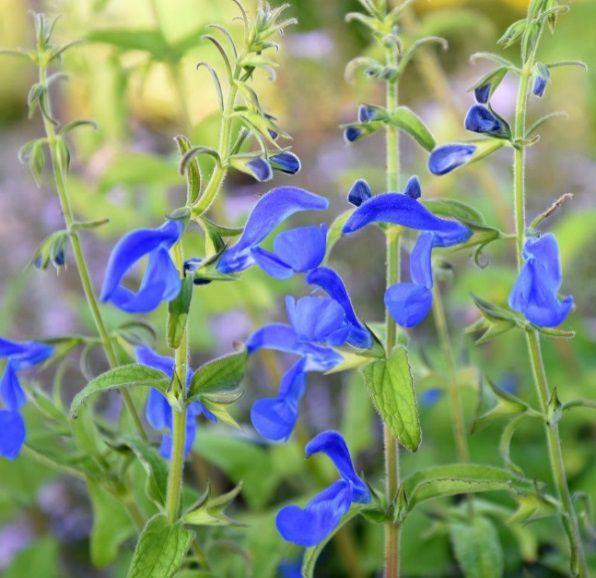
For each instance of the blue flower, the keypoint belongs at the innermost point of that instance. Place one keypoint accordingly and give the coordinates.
(273, 208)
(482, 93)
(359, 193)
(257, 167)
(401, 209)
(447, 158)
(161, 281)
(294, 251)
(430, 397)
(274, 418)
(409, 303)
(539, 86)
(309, 526)
(482, 120)
(19, 356)
(413, 188)
(290, 569)
(352, 133)
(535, 292)
(286, 162)
(330, 282)
(159, 412)
(368, 112)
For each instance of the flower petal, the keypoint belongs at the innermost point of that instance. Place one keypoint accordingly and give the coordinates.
(330, 282)
(413, 188)
(421, 270)
(302, 248)
(148, 357)
(398, 209)
(271, 264)
(359, 193)
(11, 392)
(158, 411)
(482, 120)
(333, 445)
(447, 158)
(286, 162)
(408, 303)
(12, 434)
(311, 525)
(315, 319)
(273, 208)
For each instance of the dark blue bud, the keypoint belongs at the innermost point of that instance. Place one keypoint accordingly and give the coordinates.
(191, 265)
(482, 120)
(60, 258)
(539, 86)
(482, 93)
(366, 113)
(413, 188)
(286, 162)
(447, 158)
(272, 133)
(352, 134)
(260, 169)
(359, 192)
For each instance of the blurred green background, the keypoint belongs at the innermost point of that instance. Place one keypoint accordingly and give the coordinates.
(127, 171)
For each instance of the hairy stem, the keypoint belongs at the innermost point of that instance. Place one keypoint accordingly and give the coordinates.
(557, 466)
(59, 171)
(392, 473)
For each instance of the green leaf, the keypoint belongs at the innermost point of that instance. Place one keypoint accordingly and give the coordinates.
(155, 467)
(507, 406)
(178, 310)
(391, 387)
(453, 479)
(311, 555)
(111, 526)
(408, 121)
(211, 511)
(218, 379)
(193, 170)
(477, 548)
(455, 209)
(133, 375)
(160, 549)
(40, 558)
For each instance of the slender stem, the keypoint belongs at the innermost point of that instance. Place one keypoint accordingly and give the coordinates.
(392, 473)
(555, 451)
(59, 170)
(179, 417)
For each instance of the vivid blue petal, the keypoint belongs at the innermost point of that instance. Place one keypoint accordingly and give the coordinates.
(148, 357)
(447, 158)
(166, 441)
(457, 235)
(482, 120)
(330, 282)
(311, 525)
(158, 411)
(161, 279)
(271, 264)
(9, 348)
(315, 319)
(408, 303)
(11, 392)
(12, 434)
(535, 292)
(367, 113)
(260, 169)
(413, 188)
(333, 445)
(285, 162)
(482, 93)
(359, 193)
(398, 209)
(420, 261)
(302, 248)
(289, 569)
(273, 208)
(352, 133)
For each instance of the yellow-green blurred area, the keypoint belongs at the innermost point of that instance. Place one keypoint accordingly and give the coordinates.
(135, 75)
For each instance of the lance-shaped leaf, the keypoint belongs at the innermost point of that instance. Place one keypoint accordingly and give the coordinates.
(391, 387)
(160, 549)
(477, 547)
(408, 121)
(218, 379)
(155, 467)
(178, 310)
(132, 375)
(211, 510)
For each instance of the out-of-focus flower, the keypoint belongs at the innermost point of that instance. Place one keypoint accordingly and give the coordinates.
(447, 158)
(285, 162)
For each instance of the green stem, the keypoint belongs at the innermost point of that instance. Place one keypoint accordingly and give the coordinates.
(179, 417)
(392, 470)
(59, 170)
(555, 451)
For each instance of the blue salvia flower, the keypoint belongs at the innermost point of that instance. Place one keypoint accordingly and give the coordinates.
(410, 303)
(161, 281)
(430, 397)
(19, 356)
(309, 526)
(290, 569)
(359, 192)
(482, 120)
(539, 85)
(273, 208)
(482, 93)
(535, 292)
(413, 188)
(286, 162)
(257, 167)
(158, 411)
(352, 133)
(330, 282)
(294, 251)
(275, 417)
(367, 112)
(447, 158)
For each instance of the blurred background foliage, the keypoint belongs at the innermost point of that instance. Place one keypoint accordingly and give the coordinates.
(135, 75)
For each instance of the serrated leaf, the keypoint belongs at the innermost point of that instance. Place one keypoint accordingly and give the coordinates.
(477, 548)
(132, 375)
(391, 387)
(160, 549)
(111, 526)
(408, 121)
(218, 377)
